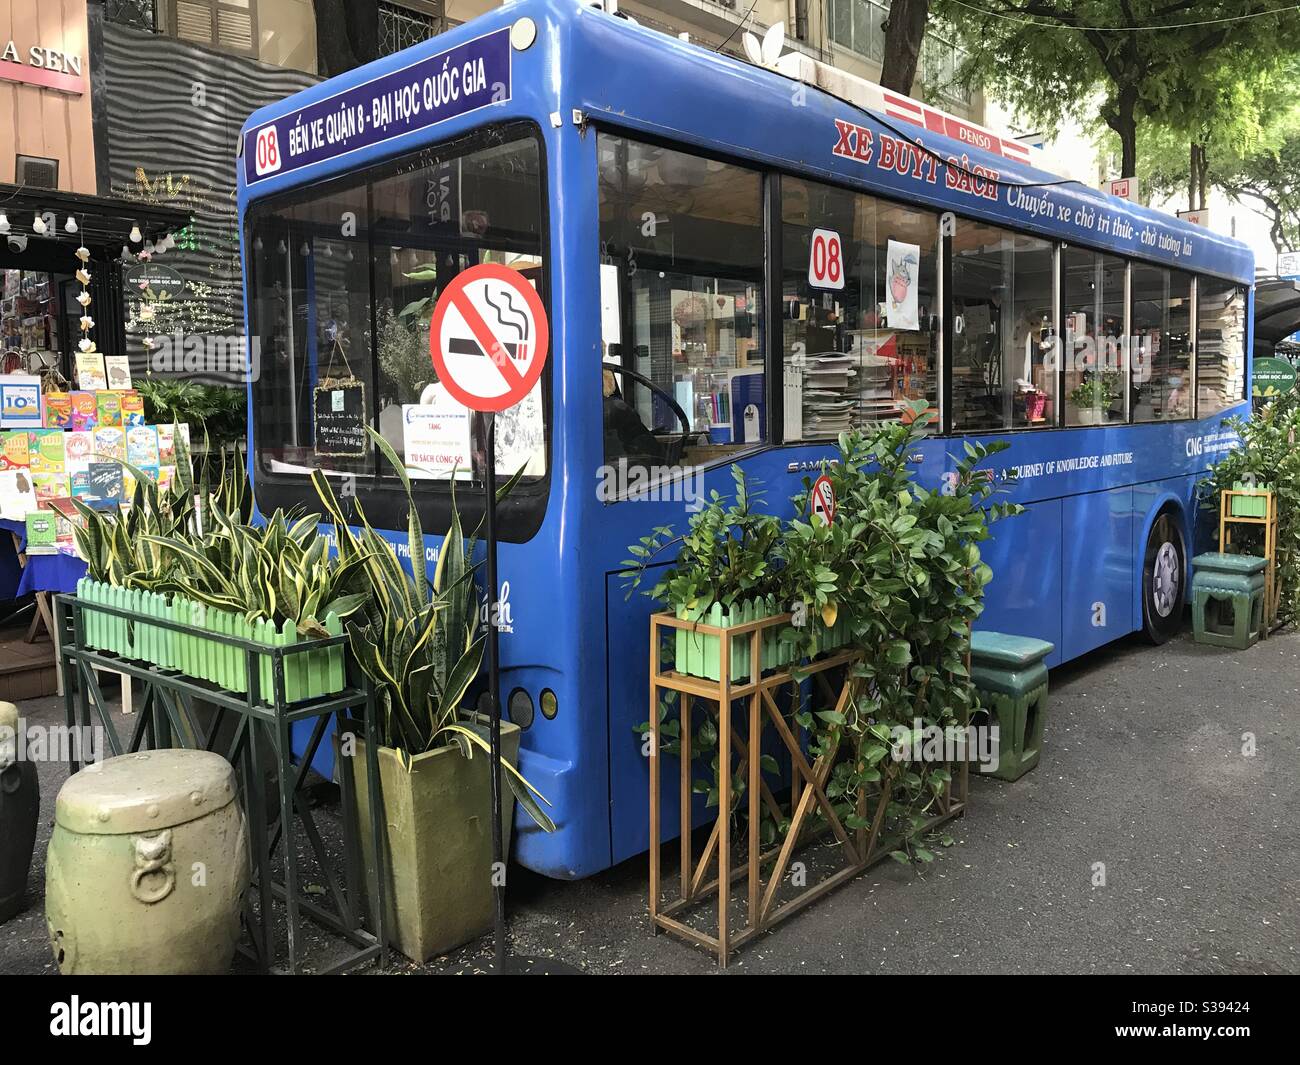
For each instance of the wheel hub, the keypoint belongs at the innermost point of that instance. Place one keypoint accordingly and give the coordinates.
(1165, 580)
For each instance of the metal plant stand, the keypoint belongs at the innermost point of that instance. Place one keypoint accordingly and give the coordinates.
(745, 707)
(260, 740)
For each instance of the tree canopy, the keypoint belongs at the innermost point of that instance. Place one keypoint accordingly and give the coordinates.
(1165, 62)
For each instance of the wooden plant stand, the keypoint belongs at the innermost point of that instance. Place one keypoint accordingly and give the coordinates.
(856, 850)
(1227, 519)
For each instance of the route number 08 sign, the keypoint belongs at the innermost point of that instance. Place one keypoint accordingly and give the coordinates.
(826, 260)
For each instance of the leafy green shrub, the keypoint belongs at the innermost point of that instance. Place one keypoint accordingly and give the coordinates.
(725, 556)
(900, 567)
(1267, 456)
(909, 583)
(213, 412)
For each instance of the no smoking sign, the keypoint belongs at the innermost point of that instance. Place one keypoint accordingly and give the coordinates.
(823, 499)
(489, 337)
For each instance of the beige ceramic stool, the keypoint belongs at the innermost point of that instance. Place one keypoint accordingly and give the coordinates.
(148, 866)
(20, 804)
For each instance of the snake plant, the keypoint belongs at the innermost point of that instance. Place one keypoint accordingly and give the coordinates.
(417, 637)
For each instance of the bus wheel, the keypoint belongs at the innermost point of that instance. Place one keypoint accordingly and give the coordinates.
(1163, 578)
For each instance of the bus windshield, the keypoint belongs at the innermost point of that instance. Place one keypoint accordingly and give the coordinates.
(343, 280)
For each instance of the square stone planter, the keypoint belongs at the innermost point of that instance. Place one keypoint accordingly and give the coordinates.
(438, 822)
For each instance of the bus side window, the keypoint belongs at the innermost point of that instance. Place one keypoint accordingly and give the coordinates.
(860, 283)
(681, 305)
(1162, 322)
(1003, 365)
(1220, 345)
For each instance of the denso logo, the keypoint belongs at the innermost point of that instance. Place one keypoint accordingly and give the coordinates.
(975, 137)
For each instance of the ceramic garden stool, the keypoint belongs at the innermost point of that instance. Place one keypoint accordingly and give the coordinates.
(1011, 678)
(147, 866)
(20, 804)
(1222, 581)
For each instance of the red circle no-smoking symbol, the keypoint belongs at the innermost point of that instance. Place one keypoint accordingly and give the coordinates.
(823, 499)
(489, 337)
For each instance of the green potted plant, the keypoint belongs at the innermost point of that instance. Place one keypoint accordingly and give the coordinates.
(726, 573)
(1093, 396)
(417, 640)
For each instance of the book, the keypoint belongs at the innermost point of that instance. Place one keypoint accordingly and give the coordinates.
(45, 450)
(105, 485)
(109, 408)
(142, 446)
(14, 450)
(85, 412)
(90, 370)
(117, 368)
(78, 449)
(42, 533)
(58, 410)
(50, 486)
(17, 494)
(166, 444)
(110, 443)
(132, 409)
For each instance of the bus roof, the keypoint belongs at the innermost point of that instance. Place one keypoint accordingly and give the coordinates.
(584, 62)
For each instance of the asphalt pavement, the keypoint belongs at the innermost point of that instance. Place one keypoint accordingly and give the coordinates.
(1144, 773)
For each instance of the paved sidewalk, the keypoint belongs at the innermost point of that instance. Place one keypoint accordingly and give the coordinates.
(1142, 770)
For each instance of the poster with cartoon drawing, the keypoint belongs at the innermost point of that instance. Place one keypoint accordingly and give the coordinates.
(902, 264)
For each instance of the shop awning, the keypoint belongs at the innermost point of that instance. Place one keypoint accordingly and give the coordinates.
(1277, 312)
(104, 223)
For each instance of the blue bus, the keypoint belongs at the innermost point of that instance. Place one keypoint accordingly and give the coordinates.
(735, 265)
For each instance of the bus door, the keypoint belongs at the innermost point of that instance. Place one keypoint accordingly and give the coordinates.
(684, 394)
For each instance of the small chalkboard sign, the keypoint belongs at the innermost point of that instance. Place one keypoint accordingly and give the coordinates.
(340, 418)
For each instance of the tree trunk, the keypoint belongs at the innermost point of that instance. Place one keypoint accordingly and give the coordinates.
(1122, 118)
(1197, 177)
(904, 32)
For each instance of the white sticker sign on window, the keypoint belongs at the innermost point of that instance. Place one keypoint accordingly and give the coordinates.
(436, 436)
(826, 260)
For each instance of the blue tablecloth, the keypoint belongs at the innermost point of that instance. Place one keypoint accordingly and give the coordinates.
(51, 573)
(18, 528)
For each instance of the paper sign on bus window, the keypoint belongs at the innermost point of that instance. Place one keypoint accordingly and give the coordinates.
(825, 260)
(435, 436)
(902, 266)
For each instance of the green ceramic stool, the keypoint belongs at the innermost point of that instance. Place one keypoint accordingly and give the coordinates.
(1227, 599)
(1011, 678)
(147, 866)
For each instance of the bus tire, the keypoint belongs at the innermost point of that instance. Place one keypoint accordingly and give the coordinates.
(1164, 579)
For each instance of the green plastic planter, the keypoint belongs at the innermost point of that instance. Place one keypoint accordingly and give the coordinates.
(306, 675)
(698, 654)
(1252, 505)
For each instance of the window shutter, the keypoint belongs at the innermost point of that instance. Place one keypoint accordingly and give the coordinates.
(235, 30)
(230, 25)
(194, 21)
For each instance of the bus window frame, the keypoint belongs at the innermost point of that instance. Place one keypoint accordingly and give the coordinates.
(522, 513)
(769, 200)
